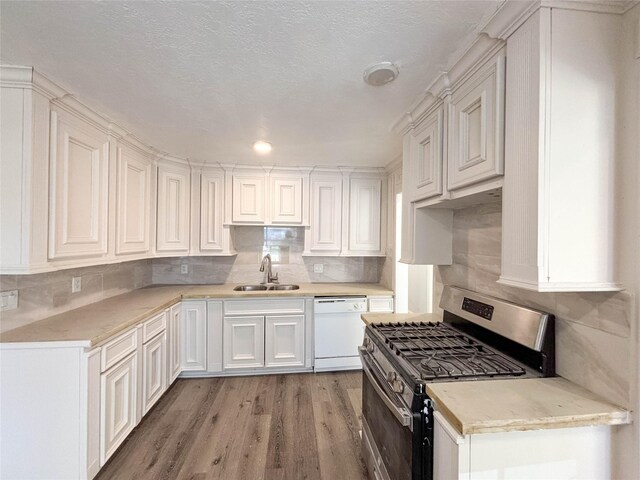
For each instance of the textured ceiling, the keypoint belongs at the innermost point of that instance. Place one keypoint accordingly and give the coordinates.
(204, 80)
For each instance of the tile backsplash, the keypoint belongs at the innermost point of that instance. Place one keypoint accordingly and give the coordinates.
(45, 294)
(285, 246)
(593, 330)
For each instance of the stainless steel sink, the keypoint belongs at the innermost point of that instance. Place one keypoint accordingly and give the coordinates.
(261, 288)
(249, 288)
(284, 287)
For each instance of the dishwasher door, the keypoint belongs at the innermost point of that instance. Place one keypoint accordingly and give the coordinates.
(339, 331)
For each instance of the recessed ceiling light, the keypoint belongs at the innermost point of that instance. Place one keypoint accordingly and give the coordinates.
(380, 74)
(262, 147)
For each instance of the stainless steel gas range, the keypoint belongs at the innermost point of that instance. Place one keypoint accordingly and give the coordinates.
(480, 337)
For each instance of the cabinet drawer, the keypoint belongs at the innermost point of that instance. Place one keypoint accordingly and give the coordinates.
(264, 306)
(118, 348)
(381, 304)
(154, 326)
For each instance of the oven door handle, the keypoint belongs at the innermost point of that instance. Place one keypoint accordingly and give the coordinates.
(402, 414)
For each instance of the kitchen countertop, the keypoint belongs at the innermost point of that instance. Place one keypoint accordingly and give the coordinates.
(400, 317)
(490, 406)
(93, 324)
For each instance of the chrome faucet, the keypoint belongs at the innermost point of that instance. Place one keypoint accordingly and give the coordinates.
(270, 277)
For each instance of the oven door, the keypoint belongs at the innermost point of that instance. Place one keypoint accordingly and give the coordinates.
(392, 434)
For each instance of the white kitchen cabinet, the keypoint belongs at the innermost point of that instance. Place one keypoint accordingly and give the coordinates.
(211, 212)
(174, 198)
(24, 173)
(135, 198)
(118, 405)
(363, 221)
(563, 453)
(194, 335)
(243, 344)
(476, 126)
(423, 170)
(284, 340)
(249, 197)
(559, 207)
(154, 371)
(380, 304)
(214, 336)
(286, 192)
(174, 329)
(324, 236)
(78, 189)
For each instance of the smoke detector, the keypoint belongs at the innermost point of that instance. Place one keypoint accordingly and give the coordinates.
(380, 74)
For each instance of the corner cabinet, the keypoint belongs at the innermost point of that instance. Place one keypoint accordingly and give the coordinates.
(558, 217)
(348, 214)
(135, 201)
(79, 185)
(174, 199)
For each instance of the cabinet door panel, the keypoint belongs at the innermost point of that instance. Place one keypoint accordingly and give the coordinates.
(194, 335)
(286, 200)
(284, 340)
(243, 345)
(476, 127)
(154, 381)
(426, 161)
(175, 342)
(249, 198)
(78, 217)
(134, 202)
(364, 215)
(326, 214)
(211, 212)
(118, 405)
(173, 209)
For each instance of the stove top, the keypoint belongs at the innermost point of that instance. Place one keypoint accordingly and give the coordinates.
(437, 351)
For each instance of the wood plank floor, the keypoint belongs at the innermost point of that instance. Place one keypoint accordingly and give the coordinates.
(272, 427)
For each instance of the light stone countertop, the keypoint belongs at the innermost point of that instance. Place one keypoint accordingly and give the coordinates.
(491, 406)
(95, 323)
(369, 318)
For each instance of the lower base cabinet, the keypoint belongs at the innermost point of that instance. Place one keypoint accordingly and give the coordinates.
(194, 336)
(174, 343)
(563, 453)
(118, 405)
(154, 383)
(243, 343)
(284, 341)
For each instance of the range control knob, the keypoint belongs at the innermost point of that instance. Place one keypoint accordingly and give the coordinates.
(397, 386)
(391, 377)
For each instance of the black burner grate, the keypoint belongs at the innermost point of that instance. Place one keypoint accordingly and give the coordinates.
(438, 351)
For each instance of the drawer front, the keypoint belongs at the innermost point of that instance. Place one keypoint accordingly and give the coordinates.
(118, 348)
(381, 304)
(264, 306)
(154, 326)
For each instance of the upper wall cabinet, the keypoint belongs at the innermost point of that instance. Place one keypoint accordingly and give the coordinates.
(363, 221)
(288, 192)
(476, 126)
(24, 173)
(558, 208)
(79, 170)
(174, 185)
(135, 197)
(209, 234)
(424, 167)
(324, 236)
(249, 197)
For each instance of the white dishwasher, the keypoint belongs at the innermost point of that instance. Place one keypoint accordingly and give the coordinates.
(339, 331)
